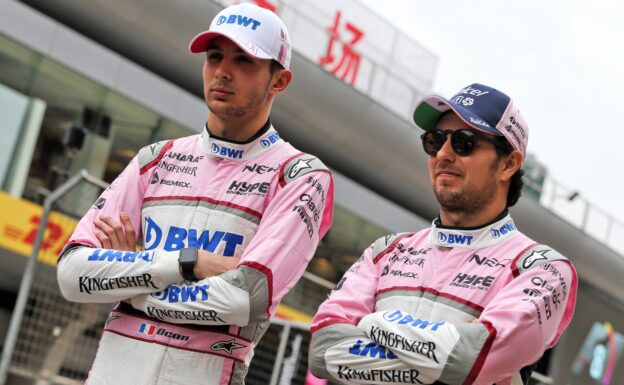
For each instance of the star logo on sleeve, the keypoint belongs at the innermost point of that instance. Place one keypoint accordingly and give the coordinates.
(227, 346)
(535, 256)
(301, 165)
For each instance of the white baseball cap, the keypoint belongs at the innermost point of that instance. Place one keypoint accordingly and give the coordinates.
(257, 31)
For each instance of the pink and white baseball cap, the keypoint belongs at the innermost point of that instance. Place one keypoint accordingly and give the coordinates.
(257, 31)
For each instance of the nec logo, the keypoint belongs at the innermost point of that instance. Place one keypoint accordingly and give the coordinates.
(178, 238)
(455, 239)
(372, 350)
(504, 229)
(175, 294)
(227, 152)
(268, 142)
(259, 168)
(240, 20)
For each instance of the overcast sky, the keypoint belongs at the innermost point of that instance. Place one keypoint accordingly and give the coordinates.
(561, 61)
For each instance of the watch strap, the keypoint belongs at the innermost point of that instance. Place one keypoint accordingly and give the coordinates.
(187, 261)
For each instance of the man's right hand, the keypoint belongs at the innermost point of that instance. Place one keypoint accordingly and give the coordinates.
(210, 264)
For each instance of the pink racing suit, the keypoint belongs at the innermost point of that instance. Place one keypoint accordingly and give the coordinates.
(263, 201)
(445, 305)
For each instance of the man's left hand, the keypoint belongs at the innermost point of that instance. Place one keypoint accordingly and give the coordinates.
(115, 235)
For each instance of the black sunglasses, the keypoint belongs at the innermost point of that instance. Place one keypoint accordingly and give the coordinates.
(463, 141)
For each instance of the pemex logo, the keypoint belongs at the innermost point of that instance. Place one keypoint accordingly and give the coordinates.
(153, 234)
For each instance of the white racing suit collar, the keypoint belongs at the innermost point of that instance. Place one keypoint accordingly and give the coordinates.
(239, 151)
(473, 237)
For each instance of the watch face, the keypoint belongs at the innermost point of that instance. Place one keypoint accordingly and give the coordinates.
(188, 255)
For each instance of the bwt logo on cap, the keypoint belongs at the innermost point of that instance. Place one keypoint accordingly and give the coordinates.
(240, 20)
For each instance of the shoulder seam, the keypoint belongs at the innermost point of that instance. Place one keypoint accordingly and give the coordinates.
(156, 160)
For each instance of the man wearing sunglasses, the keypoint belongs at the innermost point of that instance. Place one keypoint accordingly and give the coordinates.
(470, 300)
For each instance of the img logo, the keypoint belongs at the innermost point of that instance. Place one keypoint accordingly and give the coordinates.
(372, 350)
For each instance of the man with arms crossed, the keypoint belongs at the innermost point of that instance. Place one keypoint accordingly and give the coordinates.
(229, 220)
(470, 300)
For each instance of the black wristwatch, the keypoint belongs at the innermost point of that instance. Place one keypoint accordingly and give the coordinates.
(187, 261)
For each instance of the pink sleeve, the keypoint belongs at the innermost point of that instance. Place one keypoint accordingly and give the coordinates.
(291, 227)
(353, 297)
(124, 194)
(87, 273)
(527, 317)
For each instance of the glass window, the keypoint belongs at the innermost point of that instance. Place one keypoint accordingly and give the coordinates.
(16, 65)
(131, 127)
(116, 127)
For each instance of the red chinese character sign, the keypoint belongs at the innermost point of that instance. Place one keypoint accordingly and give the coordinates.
(347, 66)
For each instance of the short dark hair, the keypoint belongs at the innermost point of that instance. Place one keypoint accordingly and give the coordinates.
(516, 184)
(275, 65)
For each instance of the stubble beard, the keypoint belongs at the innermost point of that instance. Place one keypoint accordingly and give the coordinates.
(465, 202)
(469, 200)
(256, 99)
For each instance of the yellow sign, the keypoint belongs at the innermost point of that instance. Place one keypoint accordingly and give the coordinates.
(19, 223)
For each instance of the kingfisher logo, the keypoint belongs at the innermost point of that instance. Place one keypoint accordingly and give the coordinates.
(147, 329)
(507, 228)
(227, 152)
(455, 239)
(271, 140)
(176, 238)
(242, 20)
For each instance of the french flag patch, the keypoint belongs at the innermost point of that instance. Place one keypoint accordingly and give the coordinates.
(148, 329)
